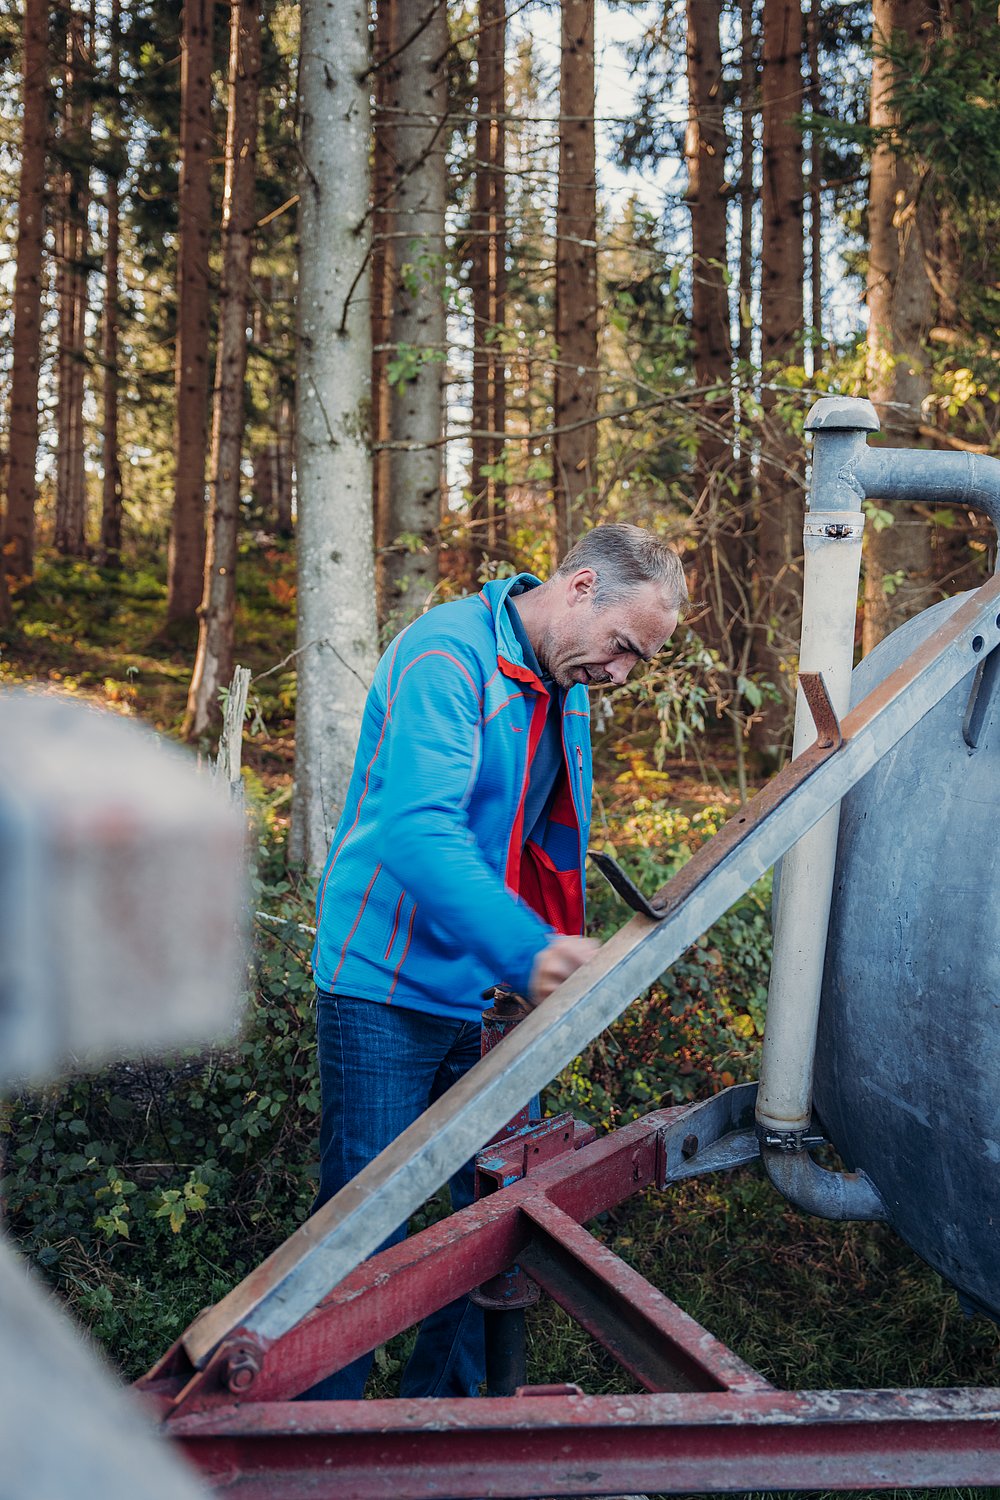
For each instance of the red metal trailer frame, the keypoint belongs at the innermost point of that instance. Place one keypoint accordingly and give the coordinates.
(705, 1422)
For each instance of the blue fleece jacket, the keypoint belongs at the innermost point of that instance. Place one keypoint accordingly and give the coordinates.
(430, 891)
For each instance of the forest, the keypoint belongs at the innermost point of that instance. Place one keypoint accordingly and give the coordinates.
(314, 316)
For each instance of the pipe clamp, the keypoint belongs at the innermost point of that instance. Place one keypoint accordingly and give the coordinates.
(833, 530)
(789, 1140)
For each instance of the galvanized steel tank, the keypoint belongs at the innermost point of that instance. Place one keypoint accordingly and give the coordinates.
(907, 1080)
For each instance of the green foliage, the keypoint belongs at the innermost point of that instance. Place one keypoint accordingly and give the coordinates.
(174, 1176)
(408, 361)
(698, 1028)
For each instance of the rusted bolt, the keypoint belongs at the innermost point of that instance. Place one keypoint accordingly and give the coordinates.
(242, 1369)
(689, 1146)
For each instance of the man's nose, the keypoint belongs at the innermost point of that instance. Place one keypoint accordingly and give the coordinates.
(618, 669)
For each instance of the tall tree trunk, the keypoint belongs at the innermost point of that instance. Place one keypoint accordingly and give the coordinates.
(488, 276)
(337, 631)
(779, 545)
(383, 262)
(574, 445)
(111, 496)
(213, 666)
(19, 534)
(420, 97)
(284, 473)
(748, 108)
(719, 572)
(815, 189)
(262, 454)
(901, 307)
(186, 554)
(72, 288)
(263, 484)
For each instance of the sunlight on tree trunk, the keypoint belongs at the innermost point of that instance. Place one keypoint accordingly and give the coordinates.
(779, 544)
(488, 278)
(186, 556)
(19, 533)
(901, 310)
(815, 189)
(111, 492)
(216, 630)
(574, 444)
(73, 251)
(383, 262)
(418, 87)
(337, 631)
(719, 576)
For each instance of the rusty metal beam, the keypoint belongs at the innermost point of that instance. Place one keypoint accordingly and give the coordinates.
(649, 1336)
(597, 1445)
(403, 1284)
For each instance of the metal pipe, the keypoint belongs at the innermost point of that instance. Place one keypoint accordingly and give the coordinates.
(833, 533)
(852, 472)
(506, 1358)
(834, 528)
(901, 474)
(828, 1195)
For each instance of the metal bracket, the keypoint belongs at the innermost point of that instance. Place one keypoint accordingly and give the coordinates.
(829, 735)
(624, 886)
(981, 699)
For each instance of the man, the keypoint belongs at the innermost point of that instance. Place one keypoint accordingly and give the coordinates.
(458, 862)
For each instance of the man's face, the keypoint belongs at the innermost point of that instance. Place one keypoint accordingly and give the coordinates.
(598, 645)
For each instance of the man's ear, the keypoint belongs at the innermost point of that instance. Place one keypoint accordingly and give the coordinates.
(580, 586)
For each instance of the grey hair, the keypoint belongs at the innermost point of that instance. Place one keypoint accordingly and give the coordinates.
(624, 557)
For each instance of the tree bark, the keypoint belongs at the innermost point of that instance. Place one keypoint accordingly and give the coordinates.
(815, 190)
(186, 553)
(719, 572)
(216, 629)
(111, 495)
(488, 276)
(383, 262)
(337, 630)
(6, 608)
(901, 312)
(748, 107)
(419, 89)
(284, 473)
(19, 534)
(574, 444)
(779, 535)
(262, 460)
(73, 240)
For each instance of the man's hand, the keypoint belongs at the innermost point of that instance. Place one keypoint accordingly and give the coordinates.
(557, 962)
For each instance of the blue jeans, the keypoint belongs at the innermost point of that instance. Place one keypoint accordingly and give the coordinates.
(380, 1067)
